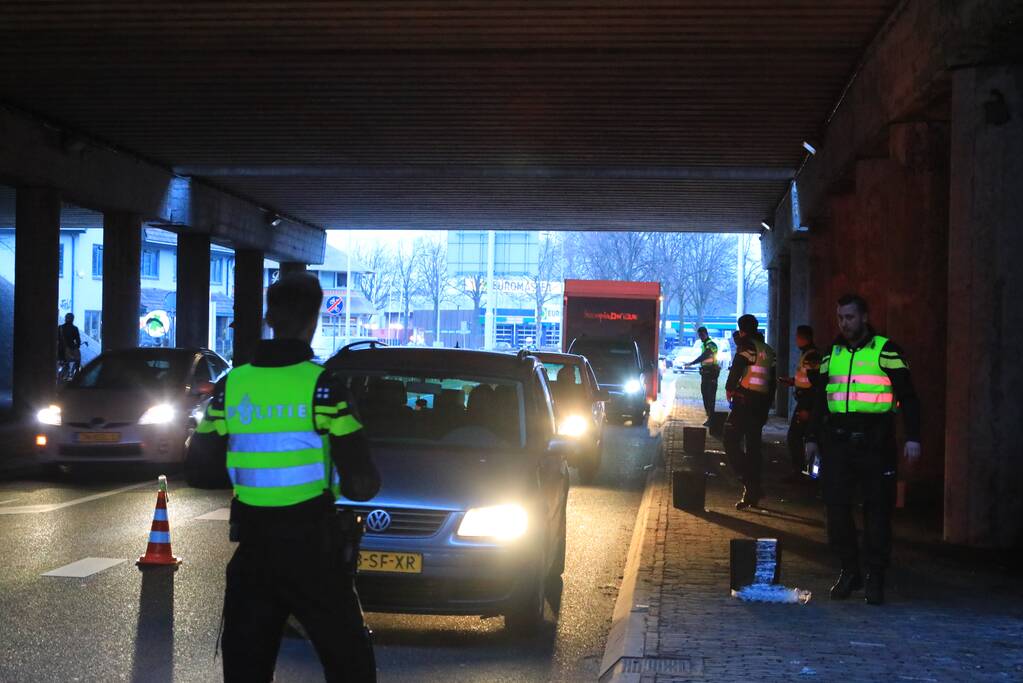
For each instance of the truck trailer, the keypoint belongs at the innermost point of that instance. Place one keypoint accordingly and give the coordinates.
(616, 326)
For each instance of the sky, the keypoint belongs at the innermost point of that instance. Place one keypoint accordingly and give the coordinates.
(339, 238)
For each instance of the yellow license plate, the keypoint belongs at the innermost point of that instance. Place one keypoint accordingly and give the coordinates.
(98, 437)
(402, 563)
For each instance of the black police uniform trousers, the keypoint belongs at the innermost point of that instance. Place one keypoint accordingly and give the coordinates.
(863, 459)
(796, 436)
(709, 390)
(742, 438)
(302, 573)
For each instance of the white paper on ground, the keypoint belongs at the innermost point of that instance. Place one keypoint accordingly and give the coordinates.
(763, 592)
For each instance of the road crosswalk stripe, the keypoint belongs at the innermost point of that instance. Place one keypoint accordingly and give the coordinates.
(85, 567)
(50, 507)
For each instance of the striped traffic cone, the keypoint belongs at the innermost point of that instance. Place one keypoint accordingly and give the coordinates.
(158, 552)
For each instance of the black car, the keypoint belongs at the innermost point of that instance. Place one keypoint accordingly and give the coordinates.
(620, 370)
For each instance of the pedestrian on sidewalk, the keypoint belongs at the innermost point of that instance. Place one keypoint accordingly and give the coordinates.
(801, 383)
(860, 384)
(709, 372)
(750, 386)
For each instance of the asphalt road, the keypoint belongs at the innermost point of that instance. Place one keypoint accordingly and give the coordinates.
(122, 624)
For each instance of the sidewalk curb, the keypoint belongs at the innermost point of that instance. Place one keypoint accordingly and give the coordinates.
(627, 636)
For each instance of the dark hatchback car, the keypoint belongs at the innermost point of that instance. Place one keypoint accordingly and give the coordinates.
(579, 408)
(471, 514)
(620, 370)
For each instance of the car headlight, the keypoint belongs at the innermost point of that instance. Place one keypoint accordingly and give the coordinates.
(573, 425)
(50, 415)
(633, 386)
(160, 414)
(503, 522)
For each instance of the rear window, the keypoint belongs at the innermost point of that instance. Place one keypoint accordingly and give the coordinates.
(134, 371)
(571, 374)
(452, 410)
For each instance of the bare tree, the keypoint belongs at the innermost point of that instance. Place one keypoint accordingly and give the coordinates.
(608, 255)
(547, 270)
(375, 282)
(754, 281)
(431, 256)
(474, 286)
(403, 277)
(707, 256)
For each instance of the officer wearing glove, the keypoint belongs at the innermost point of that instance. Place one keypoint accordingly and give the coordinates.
(802, 385)
(859, 386)
(709, 372)
(291, 442)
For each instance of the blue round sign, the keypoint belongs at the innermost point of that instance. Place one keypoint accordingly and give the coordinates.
(335, 305)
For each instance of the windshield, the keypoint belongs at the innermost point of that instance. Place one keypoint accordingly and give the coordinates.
(135, 371)
(452, 410)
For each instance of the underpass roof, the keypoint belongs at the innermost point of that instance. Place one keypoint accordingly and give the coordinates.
(686, 114)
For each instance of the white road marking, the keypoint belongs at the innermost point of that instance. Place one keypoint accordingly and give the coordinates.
(220, 515)
(9, 500)
(50, 507)
(85, 567)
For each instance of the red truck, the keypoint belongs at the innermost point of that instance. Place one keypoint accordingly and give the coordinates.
(615, 325)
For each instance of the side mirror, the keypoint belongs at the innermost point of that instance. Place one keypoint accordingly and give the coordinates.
(603, 394)
(203, 389)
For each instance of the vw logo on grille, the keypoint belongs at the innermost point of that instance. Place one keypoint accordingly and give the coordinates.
(378, 520)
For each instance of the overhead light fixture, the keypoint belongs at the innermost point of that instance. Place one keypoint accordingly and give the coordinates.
(274, 220)
(809, 148)
(766, 226)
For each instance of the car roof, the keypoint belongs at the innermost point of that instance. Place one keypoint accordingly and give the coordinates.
(564, 358)
(442, 361)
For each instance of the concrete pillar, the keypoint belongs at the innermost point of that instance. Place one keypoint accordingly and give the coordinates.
(248, 304)
(37, 240)
(193, 298)
(984, 432)
(799, 298)
(122, 288)
(782, 318)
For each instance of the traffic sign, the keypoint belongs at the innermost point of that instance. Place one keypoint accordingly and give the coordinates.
(335, 305)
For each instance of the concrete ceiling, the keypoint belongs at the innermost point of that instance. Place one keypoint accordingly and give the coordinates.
(599, 114)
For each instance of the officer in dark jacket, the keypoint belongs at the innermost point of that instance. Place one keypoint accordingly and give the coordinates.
(802, 391)
(709, 372)
(290, 441)
(861, 383)
(750, 386)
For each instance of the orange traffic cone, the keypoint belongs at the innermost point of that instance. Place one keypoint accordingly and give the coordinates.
(158, 552)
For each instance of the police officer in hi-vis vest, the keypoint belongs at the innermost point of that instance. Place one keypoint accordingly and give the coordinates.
(709, 371)
(285, 430)
(860, 386)
(802, 384)
(750, 388)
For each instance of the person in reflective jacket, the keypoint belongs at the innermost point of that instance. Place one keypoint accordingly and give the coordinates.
(860, 386)
(750, 386)
(802, 385)
(709, 371)
(284, 430)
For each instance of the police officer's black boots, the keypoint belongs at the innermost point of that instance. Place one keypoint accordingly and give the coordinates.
(848, 581)
(874, 594)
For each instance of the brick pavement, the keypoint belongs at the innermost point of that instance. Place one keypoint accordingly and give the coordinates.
(950, 616)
